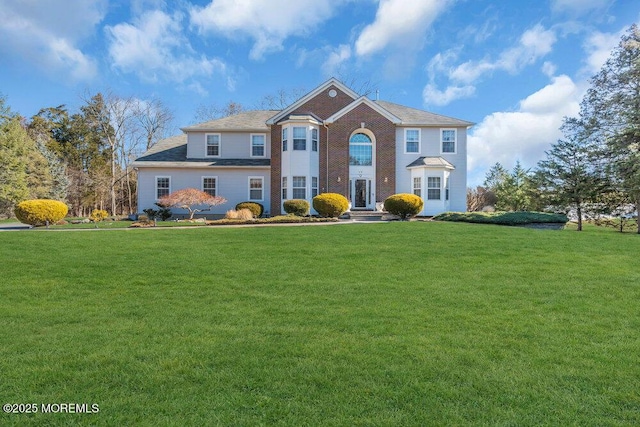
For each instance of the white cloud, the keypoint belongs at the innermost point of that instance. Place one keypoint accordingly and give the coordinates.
(549, 68)
(598, 47)
(524, 134)
(534, 43)
(47, 33)
(337, 57)
(155, 49)
(578, 6)
(268, 23)
(398, 22)
(433, 96)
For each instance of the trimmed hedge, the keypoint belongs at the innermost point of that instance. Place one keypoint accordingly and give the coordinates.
(330, 204)
(256, 208)
(503, 218)
(298, 207)
(404, 205)
(40, 212)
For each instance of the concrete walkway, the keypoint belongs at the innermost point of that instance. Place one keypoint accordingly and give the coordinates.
(12, 226)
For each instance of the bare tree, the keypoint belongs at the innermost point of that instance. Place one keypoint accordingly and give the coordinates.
(204, 113)
(154, 118)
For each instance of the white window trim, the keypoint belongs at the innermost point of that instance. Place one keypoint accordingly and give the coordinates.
(306, 186)
(317, 140)
(264, 145)
(285, 139)
(434, 188)
(419, 188)
(156, 184)
(406, 130)
(455, 141)
(307, 141)
(284, 188)
(206, 144)
(214, 177)
(261, 178)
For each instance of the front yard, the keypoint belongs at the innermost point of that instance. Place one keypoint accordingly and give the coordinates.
(414, 323)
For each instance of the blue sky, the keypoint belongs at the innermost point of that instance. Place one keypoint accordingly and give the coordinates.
(514, 67)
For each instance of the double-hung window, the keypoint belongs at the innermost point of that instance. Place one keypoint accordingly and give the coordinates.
(433, 188)
(163, 186)
(285, 135)
(314, 139)
(256, 185)
(257, 145)
(299, 187)
(284, 188)
(213, 145)
(412, 140)
(299, 138)
(448, 140)
(417, 186)
(209, 184)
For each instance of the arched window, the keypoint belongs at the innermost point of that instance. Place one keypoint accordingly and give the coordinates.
(360, 150)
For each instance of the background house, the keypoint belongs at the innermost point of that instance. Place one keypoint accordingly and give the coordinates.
(330, 140)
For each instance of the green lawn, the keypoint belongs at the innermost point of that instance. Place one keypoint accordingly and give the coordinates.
(412, 323)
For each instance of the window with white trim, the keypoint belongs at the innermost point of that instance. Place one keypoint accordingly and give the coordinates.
(360, 150)
(417, 186)
(446, 190)
(163, 186)
(299, 138)
(314, 139)
(314, 186)
(213, 145)
(257, 145)
(285, 135)
(209, 185)
(256, 185)
(284, 188)
(299, 187)
(412, 140)
(433, 188)
(448, 138)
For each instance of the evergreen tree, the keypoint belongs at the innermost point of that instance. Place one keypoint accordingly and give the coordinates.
(611, 110)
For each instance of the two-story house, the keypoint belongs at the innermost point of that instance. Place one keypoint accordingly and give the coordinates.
(330, 140)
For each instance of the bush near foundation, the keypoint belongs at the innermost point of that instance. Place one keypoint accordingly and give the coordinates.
(40, 212)
(404, 205)
(297, 207)
(330, 204)
(256, 208)
(241, 214)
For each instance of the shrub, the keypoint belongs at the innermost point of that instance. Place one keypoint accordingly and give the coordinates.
(298, 207)
(164, 213)
(40, 212)
(330, 204)
(404, 205)
(502, 218)
(98, 215)
(256, 208)
(241, 214)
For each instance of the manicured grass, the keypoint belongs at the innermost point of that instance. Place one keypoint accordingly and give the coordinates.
(403, 323)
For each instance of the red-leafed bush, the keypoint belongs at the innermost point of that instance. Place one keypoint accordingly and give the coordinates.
(192, 200)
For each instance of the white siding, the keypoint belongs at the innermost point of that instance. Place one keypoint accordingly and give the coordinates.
(233, 145)
(430, 146)
(232, 184)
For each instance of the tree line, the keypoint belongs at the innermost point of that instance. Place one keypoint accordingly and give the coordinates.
(82, 158)
(595, 168)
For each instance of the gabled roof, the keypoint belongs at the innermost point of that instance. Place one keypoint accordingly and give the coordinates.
(414, 117)
(246, 121)
(172, 152)
(364, 100)
(331, 82)
(430, 162)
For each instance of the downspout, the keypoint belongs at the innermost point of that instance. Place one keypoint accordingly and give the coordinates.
(327, 149)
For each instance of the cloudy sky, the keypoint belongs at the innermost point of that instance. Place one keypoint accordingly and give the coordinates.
(513, 67)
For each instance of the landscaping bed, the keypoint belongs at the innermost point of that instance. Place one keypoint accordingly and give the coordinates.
(506, 218)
